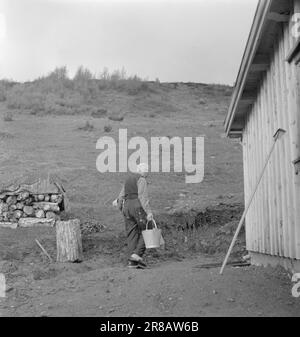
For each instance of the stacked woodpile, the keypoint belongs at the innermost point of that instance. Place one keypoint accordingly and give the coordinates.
(32, 203)
(25, 205)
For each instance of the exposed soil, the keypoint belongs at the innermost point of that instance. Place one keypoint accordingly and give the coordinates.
(174, 284)
(168, 289)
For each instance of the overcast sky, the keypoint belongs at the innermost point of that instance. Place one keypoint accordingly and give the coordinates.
(197, 41)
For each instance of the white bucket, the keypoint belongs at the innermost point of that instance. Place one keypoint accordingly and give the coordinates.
(152, 237)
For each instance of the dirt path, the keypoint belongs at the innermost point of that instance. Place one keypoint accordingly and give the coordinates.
(169, 289)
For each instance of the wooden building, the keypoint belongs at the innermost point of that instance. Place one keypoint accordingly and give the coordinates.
(267, 97)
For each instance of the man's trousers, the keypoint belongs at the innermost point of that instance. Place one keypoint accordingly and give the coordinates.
(135, 222)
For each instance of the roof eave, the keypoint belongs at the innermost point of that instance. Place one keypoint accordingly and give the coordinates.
(252, 45)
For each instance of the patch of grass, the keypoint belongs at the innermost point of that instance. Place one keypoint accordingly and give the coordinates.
(87, 127)
(228, 92)
(154, 103)
(8, 117)
(99, 113)
(107, 128)
(2, 94)
(5, 135)
(152, 114)
(5, 86)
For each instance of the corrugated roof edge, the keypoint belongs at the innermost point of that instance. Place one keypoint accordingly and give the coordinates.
(259, 20)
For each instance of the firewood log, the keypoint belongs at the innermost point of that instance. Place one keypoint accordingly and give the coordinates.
(54, 198)
(12, 208)
(28, 201)
(47, 198)
(68, 240)
(3, 208)
(12, 225)
(35, 222)
(40, 213)
(10, 213)
(41, 197)
(20, 205)
(23, 195)
(46, 206)
(18, 214)
(28, 210)
(11, 200)
(51, 215)
(5, 216)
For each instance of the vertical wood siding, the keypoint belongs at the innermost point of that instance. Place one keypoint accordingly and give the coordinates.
(273, 220)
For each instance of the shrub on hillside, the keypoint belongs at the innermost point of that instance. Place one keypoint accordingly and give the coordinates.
(85, 84)
(107, 128)
(3, 93)
(56, 82)
(116, 118)
(228, 92)
(5, 86)
(24, 98)
(152, 114)
(87, 127)
(58, 94)
(118, 80)
(8, 117)
(98, 113)
(135, 85)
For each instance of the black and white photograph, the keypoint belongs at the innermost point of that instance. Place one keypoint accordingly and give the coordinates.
(149, 162)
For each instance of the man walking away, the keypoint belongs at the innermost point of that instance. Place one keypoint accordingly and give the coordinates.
(136, 211)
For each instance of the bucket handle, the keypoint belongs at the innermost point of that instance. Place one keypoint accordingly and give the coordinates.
(154, 222)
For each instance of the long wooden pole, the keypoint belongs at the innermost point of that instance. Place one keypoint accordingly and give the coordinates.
(276, 137)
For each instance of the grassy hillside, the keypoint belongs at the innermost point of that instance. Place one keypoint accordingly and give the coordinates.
(53, 124)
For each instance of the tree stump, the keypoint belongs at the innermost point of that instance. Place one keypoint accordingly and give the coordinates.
(68, 241)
